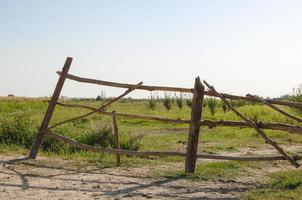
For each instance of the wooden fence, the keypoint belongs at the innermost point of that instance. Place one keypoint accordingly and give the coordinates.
(195, 122)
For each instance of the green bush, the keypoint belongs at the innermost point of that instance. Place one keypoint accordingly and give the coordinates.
(99, 136)
(17, 129)
(132, 143)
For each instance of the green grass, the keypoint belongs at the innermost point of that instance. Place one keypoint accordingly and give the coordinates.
(19, 121)
(279, 186)
(153, 135)
(212, 171)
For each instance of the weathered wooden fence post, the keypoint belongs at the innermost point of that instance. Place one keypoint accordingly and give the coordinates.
(51, 107)
(117, 138)
(194, 126)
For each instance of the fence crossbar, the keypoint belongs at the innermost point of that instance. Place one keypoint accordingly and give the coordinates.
(276, 108)
(209, 123)
(98, 109)
(145, 154)
(177, 89)
(254, 125)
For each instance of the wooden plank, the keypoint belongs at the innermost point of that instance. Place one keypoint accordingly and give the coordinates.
(160, 153)
(51, 107)
(117, 138)
(254, 125)
(209, 123)
(196, 111)
(177, 89)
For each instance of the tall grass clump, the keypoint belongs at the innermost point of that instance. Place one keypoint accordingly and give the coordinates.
(132, 143)
(99, 135)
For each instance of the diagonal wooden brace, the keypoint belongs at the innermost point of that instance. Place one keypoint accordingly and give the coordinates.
(50, 109)
(255, 126)
(275, 108)
(97, 110)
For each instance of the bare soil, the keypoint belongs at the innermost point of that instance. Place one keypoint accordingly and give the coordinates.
(52, 178)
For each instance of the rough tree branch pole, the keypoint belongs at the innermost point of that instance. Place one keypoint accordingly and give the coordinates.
(51, 107)
(254, 125)
(176, 89)
(194, 126)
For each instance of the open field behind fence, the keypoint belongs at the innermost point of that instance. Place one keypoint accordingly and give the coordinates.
(195, 121)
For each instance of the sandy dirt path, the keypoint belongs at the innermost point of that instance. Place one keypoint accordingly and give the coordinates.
(49, 178)
(53, 178)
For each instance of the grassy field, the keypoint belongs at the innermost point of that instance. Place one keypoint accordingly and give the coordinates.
(19, 120)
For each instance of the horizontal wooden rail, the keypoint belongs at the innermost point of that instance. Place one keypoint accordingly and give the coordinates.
(98, 109)
(177, 89)
(209, 123)
(159, 153)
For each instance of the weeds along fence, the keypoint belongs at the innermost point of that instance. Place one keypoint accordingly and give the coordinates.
(195, 122)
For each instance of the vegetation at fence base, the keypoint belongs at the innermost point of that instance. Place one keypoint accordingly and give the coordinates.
(279, 186)
(20, 129)
(17, 129)
(21, 120)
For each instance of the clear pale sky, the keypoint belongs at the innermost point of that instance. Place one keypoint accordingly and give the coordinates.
(238, 46)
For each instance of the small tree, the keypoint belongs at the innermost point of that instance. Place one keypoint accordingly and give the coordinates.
(212, 103)
(98, 98)
(151, 102)
(188, 100)
(224, 108)
(101, 97)
(189, 103)
(204, 104)
(167, 102)
(179, 100)
(297, 96)
(297, 93)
